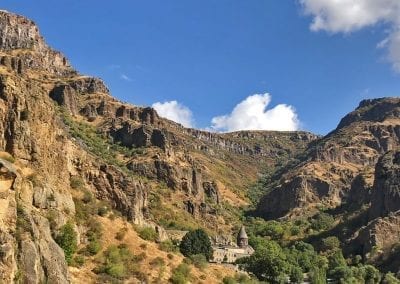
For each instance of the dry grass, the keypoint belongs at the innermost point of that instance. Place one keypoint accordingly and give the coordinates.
(212, 274)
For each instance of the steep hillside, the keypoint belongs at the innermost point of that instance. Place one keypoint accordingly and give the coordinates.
(327, 170)
(73, 154)
(344, 190)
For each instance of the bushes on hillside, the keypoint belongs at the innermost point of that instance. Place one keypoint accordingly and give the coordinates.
(67, 240)
(148, 234)
(322, 221)
(181, 274)
(118, 262)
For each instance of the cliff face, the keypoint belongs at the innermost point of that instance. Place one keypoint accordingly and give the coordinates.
(326, 173)
(380, 235)
(61, 131)
(386, 191)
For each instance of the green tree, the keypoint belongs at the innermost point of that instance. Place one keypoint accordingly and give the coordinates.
(296, 274)
(390, 279)
(268, 263)
(272, 229)
(336, 259)
(196, 242)
(317, 275)
(372, 275)
(330, 243)
(67, 240)
(341, 273)
(322, 221)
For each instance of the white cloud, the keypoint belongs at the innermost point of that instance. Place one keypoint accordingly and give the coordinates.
(175, 112)
(252, 114)
(126, 78)
(345, 16)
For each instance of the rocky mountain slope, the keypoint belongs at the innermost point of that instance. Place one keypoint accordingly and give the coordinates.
(352, 174)
(325, 174)
(70, 150)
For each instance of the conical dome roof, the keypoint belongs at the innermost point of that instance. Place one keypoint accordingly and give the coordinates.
(242, 233)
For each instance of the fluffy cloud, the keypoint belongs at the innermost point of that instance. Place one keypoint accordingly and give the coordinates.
(252, 114)
(175, 112)
(347, 16)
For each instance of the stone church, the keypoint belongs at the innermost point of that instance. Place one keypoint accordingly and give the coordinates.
(226, 251)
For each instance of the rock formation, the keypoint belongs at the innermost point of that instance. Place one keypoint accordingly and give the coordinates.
(326, 173)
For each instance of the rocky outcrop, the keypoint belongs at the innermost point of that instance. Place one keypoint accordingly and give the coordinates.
(377, 239)
(65, 96)
(211, 191)
(386, 190)
(373, 110)
(8, 264)
(123, 193)
(380, 233)
(360, 191)
(18, 33)
(144, 136)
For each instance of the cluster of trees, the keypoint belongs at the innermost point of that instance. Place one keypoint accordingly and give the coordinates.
(278, 258)
(275, 264)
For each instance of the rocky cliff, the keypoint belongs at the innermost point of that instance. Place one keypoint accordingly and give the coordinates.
(326, 172)
(379, 237)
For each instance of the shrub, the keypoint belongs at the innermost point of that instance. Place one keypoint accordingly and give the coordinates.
(168, 246)
(93, 247)
(199, 260)
(78, 261)
(87, 197)
(196, 242)
(390, 278)
(158, 261)
(330, 243)
(118, 262)
(180, 274)
(372, 274)
(322, 221)
(140, 257)
(102, 210)
(67, 240)
(295, 230)
(228, 280)
(148, 234)
(121, 234)
(76, 182)
(116, 270)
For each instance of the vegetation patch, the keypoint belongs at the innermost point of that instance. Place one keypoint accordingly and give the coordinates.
(181, 274)
(119, 262)
(67, 239)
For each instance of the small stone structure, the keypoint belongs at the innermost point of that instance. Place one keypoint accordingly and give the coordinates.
(228, 252)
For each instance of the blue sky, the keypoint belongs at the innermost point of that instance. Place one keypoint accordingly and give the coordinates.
(211, 55)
